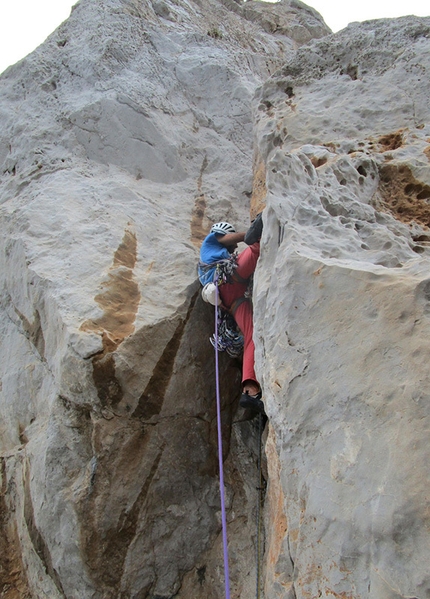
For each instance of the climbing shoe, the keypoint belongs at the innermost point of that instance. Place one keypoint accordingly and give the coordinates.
(253, 234)
(252, 402)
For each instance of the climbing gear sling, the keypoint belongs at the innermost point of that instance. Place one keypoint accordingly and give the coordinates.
(228, 337)
(224, 271)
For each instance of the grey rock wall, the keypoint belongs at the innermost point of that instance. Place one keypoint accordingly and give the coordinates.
(122, 138)
(341, 313)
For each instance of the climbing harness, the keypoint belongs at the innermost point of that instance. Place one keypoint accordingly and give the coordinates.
(221, 469)
(223, 270)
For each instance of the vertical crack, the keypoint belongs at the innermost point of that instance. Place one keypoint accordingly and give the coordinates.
(293, 587)
(36, 537)
(152, 398)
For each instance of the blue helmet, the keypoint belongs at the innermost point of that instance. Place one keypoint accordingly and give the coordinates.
(223, 228)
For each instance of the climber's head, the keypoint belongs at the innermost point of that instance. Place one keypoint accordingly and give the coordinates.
(223, 228)
(224, 232)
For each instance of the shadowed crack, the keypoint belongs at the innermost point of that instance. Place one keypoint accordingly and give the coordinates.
(33, 331)
(151, 400)
(106, 550)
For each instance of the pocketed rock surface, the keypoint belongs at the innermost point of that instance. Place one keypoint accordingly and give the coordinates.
(341, 301)
(122, 138)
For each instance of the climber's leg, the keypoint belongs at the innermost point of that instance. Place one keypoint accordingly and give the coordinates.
(243, 317)
(251, 391)
(231, 292)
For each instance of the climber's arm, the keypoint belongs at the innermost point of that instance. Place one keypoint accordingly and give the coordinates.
(231, 239)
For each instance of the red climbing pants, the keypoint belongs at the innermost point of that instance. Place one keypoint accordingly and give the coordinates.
(230, 293)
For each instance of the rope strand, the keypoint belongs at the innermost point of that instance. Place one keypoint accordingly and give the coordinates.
(221, 469)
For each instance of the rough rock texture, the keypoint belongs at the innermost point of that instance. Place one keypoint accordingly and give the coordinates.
(122, 137)
(342, 313)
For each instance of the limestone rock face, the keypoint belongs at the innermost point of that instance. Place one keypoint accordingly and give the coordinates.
(342, 313)
(122, 138)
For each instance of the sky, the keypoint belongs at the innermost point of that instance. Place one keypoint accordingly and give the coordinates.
(25, 24)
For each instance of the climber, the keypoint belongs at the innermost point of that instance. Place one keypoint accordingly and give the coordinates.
(218, 248)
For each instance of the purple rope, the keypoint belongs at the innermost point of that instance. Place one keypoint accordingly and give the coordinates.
(221, 470)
